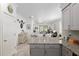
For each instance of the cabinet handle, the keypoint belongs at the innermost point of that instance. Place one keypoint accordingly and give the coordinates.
(5, 40)
(68, 27)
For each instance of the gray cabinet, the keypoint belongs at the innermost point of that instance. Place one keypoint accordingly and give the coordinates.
(52, 50)
(37, 50)
(66, 51)
(45, 50)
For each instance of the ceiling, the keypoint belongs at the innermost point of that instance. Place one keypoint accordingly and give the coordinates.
(40, 12)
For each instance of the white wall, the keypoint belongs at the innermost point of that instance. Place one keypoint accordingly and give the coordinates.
(41, 11)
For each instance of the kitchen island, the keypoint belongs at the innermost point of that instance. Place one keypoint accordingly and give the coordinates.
(45, 49)
(45, 46)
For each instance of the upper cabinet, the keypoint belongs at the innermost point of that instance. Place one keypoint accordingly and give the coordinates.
(70, 17)
(66, 18)
(75, 16)
(64, 5)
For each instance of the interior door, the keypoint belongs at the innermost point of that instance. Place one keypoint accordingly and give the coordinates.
(9, 35)
(0, 35)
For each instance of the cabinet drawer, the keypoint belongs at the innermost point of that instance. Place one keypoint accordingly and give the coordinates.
(52, 46)
(66, 51)
(37, 52)
(37, 46)
(53, 52)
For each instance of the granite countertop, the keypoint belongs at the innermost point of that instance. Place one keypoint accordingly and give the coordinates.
(44, 40)
(73, 48)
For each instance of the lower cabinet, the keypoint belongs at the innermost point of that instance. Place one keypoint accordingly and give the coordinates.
(45, 50)
(52, 50)
(37, 50)
(66, 51)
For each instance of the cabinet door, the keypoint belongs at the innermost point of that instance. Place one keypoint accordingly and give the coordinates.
(37, 50)
(52, 50)
(63, 5)
(75, 16)
(66, 51)
(66, 18)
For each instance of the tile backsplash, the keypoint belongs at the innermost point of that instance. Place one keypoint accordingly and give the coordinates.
(75, 34)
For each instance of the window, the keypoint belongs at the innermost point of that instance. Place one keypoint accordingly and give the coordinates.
(43, 28)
